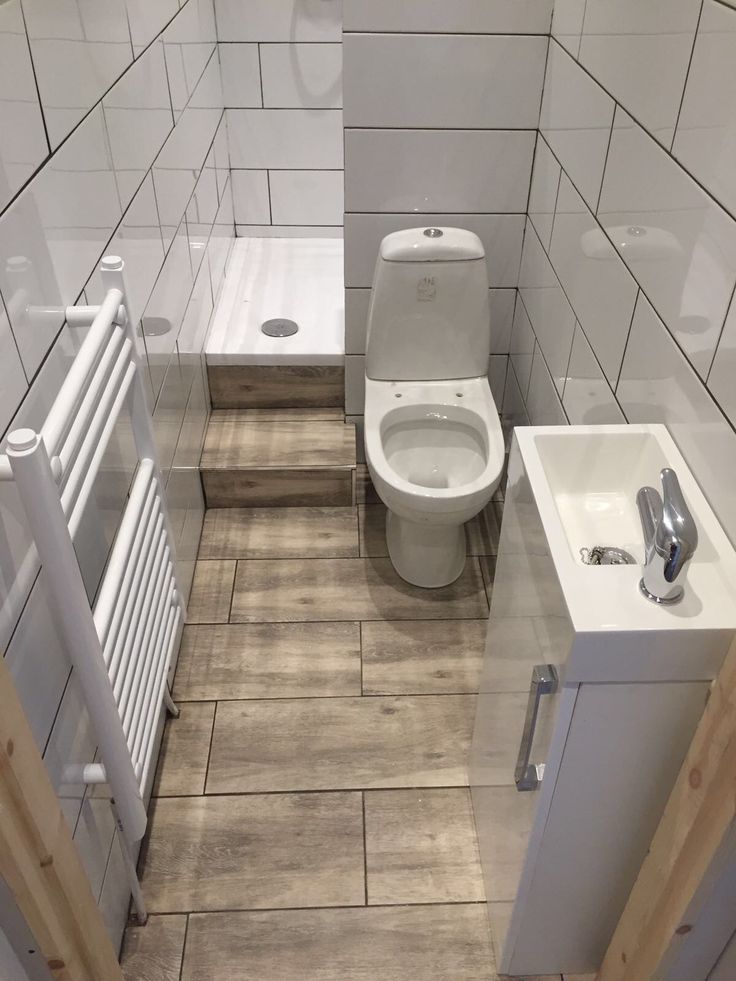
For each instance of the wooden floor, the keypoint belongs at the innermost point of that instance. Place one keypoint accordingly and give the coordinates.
(311, 818)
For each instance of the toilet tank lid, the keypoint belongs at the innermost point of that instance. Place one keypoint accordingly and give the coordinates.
(431, 245)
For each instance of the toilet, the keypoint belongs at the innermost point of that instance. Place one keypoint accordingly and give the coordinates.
(433, 439)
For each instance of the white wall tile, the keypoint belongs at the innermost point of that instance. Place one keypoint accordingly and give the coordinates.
(522, 347)
(189, 42)
(542, 402)
(587, 398)
(391, 170)
(53, 233)
(169, 412)
(222, 156)
(502, 319)
(147, 18)
(221, 240)
(307, 197)
(576, 122)
(501, 236)
(208, 90)
(686, 261)
(302, 76)
(288, 231)
(23, 145)
(357, 304)
(279, 20)
(658, 385)
(458, 17)
(192, 335)
(443, 80)
(78, 51)
(514, 412)
(705, 141)
(567, 23)
(241, 75)
(251, 197)
(354, 385)
(138, 116)
(13, 382)
(543, 194)
(287, 138)
(497, 367)
(599, 287)
(723, 373)
(201, 213)
(640, 53)
(550, 314)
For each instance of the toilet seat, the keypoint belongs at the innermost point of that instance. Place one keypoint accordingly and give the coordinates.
(435, 449)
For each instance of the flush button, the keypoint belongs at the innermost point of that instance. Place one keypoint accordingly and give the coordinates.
(433, 232)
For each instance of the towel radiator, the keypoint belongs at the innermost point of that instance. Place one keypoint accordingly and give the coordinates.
(122, 648)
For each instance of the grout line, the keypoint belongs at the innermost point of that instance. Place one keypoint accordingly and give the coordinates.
(209, 750)
(360, 641)
(696, 32)
(183, 949)
(383, 789)
(315, 909)
(365, 849)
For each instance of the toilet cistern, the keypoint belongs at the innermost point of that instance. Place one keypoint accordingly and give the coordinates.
(670, 539)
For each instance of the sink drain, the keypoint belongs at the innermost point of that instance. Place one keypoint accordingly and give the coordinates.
(279, 327)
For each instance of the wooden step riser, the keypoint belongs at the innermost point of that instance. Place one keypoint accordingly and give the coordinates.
(263, 488)
(276, 386)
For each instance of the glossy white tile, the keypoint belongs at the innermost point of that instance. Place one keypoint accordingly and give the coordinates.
(705, 141)
(53, 234)
(279, 20)
(418, 171)
(522, 347)
(640, 53)
(251, 197)
(302, 76)
(497, 367)
(587, 398)
(542, 401)
(138, 116)
(241, 75)
(684, 250)
(549, 312)
(23, 145)
(147, 18)
(576, 121)
(436, 80)
(501, 235)
(287, 138)
(189, 43)
(513, 412)
(222, 156)
(723, 373)
(543, 194)
(207, 93)
(458, 17)
(221, 240)
(502, 319)
(200, 214)
(597, 283)
(169, 412)
(193, 333)
(78, 51)
(357, 304)
(567, 23)
(289, 231)
(307, 197)
(13, 382)
(658, 385)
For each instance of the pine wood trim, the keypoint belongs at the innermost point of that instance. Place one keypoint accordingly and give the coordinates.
(695, 837)
(39, 860)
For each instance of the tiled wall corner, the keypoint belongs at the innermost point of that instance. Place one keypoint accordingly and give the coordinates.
(629, 265)
(443, 134)
(122, 148)
(282, 88)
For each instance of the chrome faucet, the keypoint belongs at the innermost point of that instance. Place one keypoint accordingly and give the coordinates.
(670, 538)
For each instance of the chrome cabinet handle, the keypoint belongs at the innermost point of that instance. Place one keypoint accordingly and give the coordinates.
(527, 776)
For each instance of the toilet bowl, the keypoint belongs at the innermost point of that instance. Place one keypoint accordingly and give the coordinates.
(433, 439)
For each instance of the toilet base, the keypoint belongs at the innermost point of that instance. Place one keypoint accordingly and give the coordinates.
(425, 555)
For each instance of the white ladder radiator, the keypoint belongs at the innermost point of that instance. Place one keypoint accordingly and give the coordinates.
(122, 649)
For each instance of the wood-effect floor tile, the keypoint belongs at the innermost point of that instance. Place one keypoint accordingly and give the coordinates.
(488, 569)
(153, 952)
(260, 533)
(254, 852)
(341, 743)
(184, 751)
(348, 589)
(295, 488)
(212, 588)
(271, 386)
(233, 442)
(422, 657)
(365, 492)
(402, 943)
(294, 415)
(268, 660)
(481, 540)
(421, 847)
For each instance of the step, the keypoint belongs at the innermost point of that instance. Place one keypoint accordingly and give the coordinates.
(279, 458)
(234, 386)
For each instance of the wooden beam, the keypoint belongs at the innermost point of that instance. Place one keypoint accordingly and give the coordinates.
(695, 839)
(39, 859)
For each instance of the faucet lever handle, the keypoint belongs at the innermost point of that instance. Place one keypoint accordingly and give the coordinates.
(677, 534)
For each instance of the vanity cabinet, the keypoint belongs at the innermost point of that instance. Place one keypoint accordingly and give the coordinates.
(584, 716)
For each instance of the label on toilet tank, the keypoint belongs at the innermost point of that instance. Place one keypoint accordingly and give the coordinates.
(426, 289)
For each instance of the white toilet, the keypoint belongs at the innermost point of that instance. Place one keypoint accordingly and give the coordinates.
(433, 438)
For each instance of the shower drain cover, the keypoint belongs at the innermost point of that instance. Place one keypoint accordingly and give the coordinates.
(279, 327)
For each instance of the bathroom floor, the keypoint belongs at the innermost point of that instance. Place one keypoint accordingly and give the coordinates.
(311, 819)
